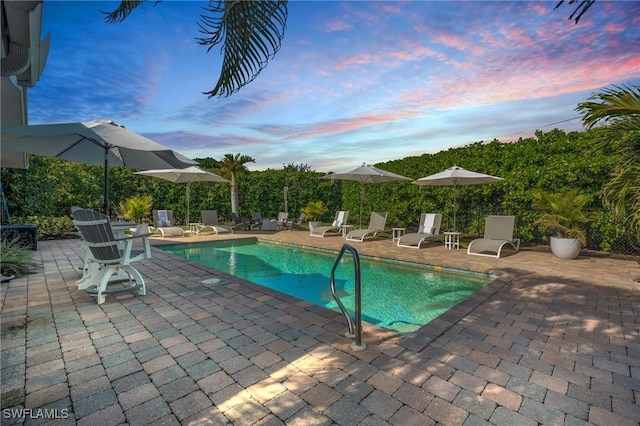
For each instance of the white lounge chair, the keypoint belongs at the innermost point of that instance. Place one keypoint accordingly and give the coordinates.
(339, 219)
(377, 223)
(428, 230)
(163, 223)
(210, 220)
(498, 232)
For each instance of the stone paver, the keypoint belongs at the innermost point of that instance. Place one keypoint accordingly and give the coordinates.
(548, 342)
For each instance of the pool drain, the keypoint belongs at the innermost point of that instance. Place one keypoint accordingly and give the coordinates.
(211, 281)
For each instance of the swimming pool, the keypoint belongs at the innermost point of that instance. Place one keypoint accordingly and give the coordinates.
(395, 295)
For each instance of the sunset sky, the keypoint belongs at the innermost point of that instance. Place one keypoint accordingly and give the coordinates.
(354, 81)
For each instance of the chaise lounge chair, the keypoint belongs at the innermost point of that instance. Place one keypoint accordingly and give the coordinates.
(163, 223)
(335, 228)
(210, 220)
(428, 229)
(498, 232)
(377, 223)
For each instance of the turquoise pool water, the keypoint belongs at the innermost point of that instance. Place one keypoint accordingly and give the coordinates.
(394, 296)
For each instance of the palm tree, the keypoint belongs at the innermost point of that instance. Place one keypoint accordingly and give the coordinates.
(230, 166)
(251, 33)
(619, 109)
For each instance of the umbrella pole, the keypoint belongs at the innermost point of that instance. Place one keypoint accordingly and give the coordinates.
(188, 193)
(455, 189)
(105, 197)
(361, 200)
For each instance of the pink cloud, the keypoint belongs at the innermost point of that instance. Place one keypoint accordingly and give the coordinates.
(337, 126)
(337, 25)
(452, 41)
(614, 27)
(356, 60)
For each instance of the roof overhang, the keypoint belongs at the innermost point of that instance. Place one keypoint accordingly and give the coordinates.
(23, 55)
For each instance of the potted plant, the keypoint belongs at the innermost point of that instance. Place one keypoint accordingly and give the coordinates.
(313, 210)
(136, 209)
(563, 214)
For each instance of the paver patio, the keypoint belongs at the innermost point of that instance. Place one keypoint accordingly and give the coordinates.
(548, 342)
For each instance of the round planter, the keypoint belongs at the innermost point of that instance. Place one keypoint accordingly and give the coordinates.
(565, 248)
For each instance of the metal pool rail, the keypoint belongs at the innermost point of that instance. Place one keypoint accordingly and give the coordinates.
(355, 325)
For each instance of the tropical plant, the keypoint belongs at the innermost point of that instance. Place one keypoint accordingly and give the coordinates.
(15, 259)
(563, 213)
(230, 166)
(136, 209)
(314, 209)
(251, 34)
(619, 109)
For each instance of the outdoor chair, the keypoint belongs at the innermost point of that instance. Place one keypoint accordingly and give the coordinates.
(256, 220)
(428, 230)
(163, 223)
(282, 219)
(498, 232)
(377, 223)
(110, 257)
(291, 225)
(240, 223)
(335, 228)
(210, 220)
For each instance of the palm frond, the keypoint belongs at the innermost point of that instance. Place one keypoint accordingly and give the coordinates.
(583, 6)
(251, 33)
(618, 106)
(622, 195)
(123, 10)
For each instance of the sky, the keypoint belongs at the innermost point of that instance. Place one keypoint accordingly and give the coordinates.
(354, 81)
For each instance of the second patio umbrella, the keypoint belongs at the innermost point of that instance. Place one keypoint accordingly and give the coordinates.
(455, 176)
(187, 175)
(365, 174)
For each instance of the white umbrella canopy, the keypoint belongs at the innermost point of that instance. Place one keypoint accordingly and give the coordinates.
(93, 142)
(455, 176)
(186, 175)
(365, 174)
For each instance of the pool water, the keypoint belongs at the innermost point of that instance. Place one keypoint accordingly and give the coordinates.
(395, 296)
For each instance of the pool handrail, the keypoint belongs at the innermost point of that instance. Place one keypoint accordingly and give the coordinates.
(354, 325)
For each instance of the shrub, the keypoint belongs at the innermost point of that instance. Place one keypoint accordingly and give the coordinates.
(14, 258)
(49, 227)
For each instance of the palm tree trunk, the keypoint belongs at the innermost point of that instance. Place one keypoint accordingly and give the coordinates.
(234, 196)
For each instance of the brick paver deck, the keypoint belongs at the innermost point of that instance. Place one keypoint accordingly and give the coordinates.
(549, 342)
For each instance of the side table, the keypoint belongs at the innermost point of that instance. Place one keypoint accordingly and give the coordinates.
(345, 229)
(452, 239)
(193, 228)
(396, 233)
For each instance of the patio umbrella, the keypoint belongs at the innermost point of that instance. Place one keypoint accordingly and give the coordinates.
(93, 142)
(365, 174)
(455, 176)
(187, 175)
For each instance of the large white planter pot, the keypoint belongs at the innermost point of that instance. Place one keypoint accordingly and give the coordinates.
(565, 248)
